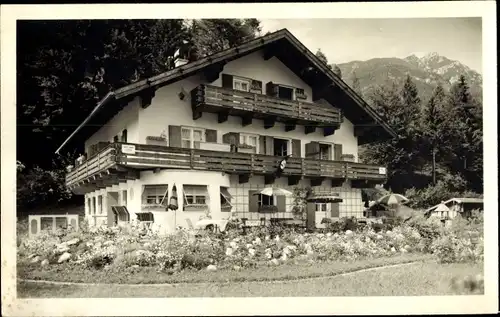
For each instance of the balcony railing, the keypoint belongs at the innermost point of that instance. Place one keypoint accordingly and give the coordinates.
(142, 156)
(215, 99)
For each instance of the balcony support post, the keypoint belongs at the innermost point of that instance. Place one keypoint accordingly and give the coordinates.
(246, 120)
(294, 180)
(337, 182)
(290, 126)
(243, 178)
(222, 116)
(269, 179)
(327, 131)
(317, 181)
(146, 97)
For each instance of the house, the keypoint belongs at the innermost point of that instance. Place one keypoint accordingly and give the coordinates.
(217, 128)
(455, 206)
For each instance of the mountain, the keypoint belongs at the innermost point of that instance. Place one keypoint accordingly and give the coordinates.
(427, 71)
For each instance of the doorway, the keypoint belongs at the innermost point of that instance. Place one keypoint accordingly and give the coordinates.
(112, 199)
(281, 147)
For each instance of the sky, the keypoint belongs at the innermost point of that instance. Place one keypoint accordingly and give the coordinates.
(345, 40)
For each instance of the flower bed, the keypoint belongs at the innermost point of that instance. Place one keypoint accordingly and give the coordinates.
(130, 248)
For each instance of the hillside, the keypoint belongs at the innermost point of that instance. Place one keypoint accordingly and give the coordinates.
(427, 71)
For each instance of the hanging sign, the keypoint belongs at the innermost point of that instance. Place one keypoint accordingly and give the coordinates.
(128, 149)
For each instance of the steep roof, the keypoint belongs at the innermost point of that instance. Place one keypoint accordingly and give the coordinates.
(282, 44)
(463, 200)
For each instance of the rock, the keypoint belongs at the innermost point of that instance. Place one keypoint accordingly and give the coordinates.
(44, 262)
(275, 262)
(35, 259)
(64, 257)
(72, 241)
(211, 268)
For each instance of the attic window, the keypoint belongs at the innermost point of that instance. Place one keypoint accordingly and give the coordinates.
(241, 84)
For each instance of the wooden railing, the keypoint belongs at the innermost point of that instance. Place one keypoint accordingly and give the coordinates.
(153, 156)
(259, 103)
(99, 162)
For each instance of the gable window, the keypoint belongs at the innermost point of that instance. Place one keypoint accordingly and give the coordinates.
(192, 137)
(124, 136)
(250, 140)
(242, 84)
(300, 93)
(195, 197)
(285, 93)
(225, 200)
(154, 196)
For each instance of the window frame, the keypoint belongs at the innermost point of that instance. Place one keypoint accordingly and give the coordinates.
(194, 206)
(160, 198)
(288, 146)
(260, 200)
(330, 150)
(246, 136)
(242, 80)
(227, 205)
(191, 136)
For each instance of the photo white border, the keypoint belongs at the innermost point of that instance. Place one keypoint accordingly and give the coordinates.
(12, 306)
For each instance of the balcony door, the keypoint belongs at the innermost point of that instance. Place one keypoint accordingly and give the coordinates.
(281, 147)
(192, 137)
(325, 151)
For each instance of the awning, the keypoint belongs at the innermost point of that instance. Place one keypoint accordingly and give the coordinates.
(325, 198)
(121, 212)
(224, 192)
(195, 190)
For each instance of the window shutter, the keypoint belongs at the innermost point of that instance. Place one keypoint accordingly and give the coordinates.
(227, 81)
(174, 135)
(262, 144)
(124, 135)
(296, 148)
(272, 89)
(211, 136)
(312, 150)
(253, 201)
(281, 203)
(232, 138)
(335, 210)
(337, 152)
(269, 145)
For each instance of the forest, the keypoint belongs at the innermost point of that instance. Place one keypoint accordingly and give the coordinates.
(65, 67)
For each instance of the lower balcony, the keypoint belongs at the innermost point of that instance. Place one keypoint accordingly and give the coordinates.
(119, 162)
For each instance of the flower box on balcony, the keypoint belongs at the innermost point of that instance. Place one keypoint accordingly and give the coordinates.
(156, 140)
(347, 157)
(268, 209)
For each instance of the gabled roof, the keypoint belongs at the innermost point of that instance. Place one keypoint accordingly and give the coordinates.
(281, 44)
(464, 200)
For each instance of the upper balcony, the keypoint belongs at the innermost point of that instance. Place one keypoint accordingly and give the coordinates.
(121, 161)
(248, 106)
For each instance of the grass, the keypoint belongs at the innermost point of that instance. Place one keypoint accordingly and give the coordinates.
(149, 275)
(425, 278)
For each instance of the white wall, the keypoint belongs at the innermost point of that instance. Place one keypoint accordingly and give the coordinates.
(127, 118)
(167, 109)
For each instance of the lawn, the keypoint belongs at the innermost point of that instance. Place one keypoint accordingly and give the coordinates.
(423, 278)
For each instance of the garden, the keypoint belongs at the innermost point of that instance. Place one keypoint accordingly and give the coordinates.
(136, 255)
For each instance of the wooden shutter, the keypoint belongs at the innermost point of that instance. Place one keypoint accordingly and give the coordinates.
(211, 136)
(335, 210)
(253, 201)
(312, 150)
(281, 203)
(269, 145)
(296, 148)
(174, 136)
(272, 89)
(262, 144)
(124, 136)
(232, 138)
(227, 81)
(256, 86)
(337, 152)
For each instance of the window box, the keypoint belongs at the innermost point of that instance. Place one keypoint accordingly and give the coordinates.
(195, 197)
(300, 93)
(347, 157)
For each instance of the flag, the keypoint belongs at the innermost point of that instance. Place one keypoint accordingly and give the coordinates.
(282, 165)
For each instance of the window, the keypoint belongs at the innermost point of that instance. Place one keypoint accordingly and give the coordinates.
(115, 138)
(299, 91)
(192, 137)
(322, 207)
(124, 198)
(121, 213)
(195, 197)
(265, 200)
(325, 152)
(124, 135)
(154, 196)
(281, 147)
(241, 84)
(93, 205)
(145, 217)
(285, 93)
(99, 203)
(89, 206)
(250, 140)
(225, 200)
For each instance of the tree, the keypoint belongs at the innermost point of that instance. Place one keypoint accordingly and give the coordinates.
(323, 58)
(336, 70)
(355, 85)
(434, 119)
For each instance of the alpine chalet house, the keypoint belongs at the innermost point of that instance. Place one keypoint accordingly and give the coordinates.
(217, 128)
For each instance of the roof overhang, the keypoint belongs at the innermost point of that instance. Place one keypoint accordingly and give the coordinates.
(281, 44)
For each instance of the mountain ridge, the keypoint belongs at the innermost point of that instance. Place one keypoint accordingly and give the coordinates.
(427, 70)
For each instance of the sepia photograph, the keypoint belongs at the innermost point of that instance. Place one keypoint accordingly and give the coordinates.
(253, 157)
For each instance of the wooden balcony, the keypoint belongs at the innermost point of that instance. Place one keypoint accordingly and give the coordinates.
(121, 161)
(248, 106)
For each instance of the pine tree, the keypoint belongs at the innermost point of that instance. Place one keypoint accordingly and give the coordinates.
(355, 85)
(323, 58)
(336, 70)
